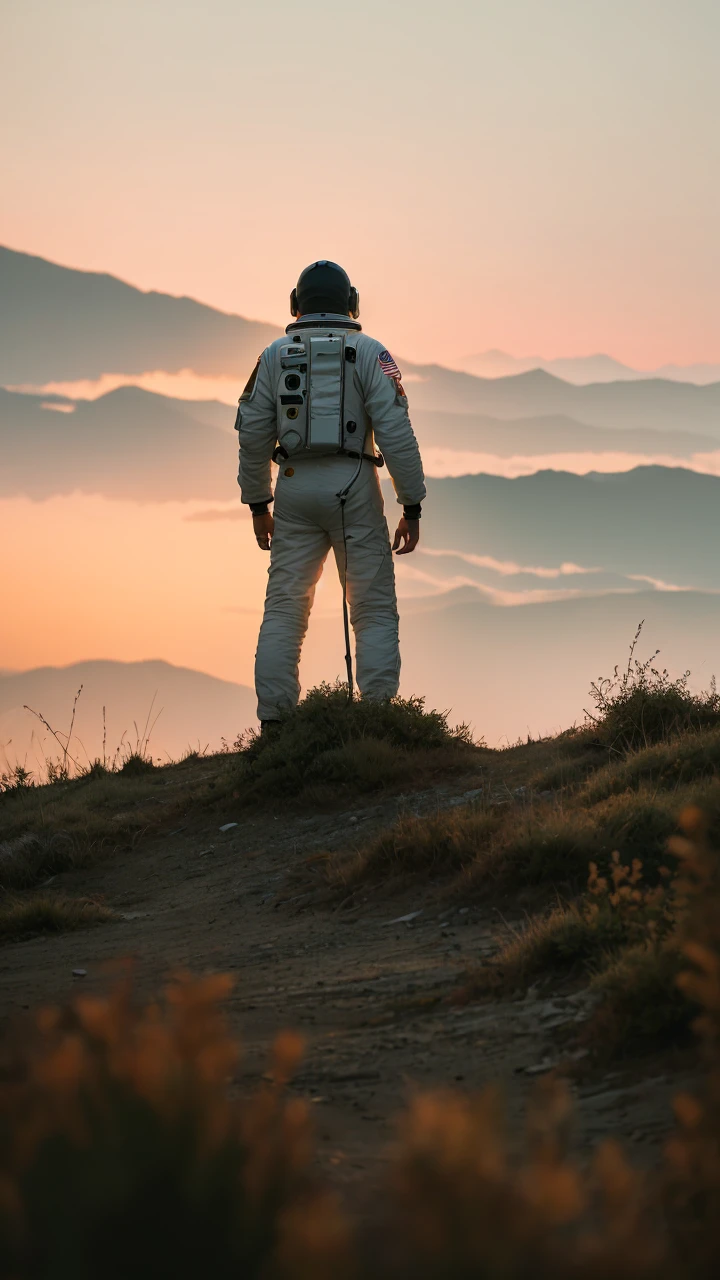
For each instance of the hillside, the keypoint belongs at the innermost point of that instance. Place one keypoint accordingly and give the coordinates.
(430, 916)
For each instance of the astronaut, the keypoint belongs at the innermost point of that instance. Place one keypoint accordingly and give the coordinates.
(321, 402)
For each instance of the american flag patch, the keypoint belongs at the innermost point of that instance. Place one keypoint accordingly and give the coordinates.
(388, 365)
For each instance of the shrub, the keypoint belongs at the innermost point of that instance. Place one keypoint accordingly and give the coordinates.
(618, 910)
(330, 741)
(122, 1154)
(644, 705)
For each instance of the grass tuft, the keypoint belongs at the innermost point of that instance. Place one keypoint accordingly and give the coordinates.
(330, 747)
(43, 914)
(135, 765)
(640, 1003)
(439, 844)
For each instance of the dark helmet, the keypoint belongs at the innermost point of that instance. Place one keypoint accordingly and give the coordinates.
(324, 287)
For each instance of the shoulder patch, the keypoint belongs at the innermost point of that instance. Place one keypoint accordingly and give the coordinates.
(388, 365)
(250, 384)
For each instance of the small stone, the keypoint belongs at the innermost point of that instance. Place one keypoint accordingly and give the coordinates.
(464, 911)
(229, 826)
(539, 1068)
(79, 973)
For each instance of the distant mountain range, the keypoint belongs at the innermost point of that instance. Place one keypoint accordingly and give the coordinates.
(511, 671)
(59, 324)
(128, 444)
(647, 404)
(658, 521)
(550, 433)
(655, 521)
(136, 444)
(195, 709)
(582, 369)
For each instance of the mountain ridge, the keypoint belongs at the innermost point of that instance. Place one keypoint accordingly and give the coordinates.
(60, 324)
(595, 367)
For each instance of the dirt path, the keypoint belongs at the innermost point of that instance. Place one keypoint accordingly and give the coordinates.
(367, 988)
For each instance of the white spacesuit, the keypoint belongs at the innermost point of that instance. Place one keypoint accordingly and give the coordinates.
(318, 402)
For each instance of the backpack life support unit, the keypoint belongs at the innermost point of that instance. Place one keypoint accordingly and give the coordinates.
(320, 408)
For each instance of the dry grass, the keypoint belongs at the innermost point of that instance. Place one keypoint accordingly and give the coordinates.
(436, 844)
(665, 766)
(327, 752)
(564, 941)
(640, 1004)
(530, 841)
(40, 913)
(47, 829)
(621, 821)
(330, 749)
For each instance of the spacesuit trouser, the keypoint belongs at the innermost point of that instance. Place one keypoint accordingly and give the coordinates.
(308, 523)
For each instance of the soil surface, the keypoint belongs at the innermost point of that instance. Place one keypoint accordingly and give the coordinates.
(368, 982)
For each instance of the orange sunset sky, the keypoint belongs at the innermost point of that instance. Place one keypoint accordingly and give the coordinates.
(541, 176)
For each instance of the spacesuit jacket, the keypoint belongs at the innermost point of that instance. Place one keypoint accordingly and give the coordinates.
(387, 419)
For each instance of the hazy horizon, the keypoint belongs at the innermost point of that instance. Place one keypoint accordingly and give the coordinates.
(533, 177)
(492, 363)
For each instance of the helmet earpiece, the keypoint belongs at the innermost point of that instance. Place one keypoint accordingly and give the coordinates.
(354, 303)
(294, 309)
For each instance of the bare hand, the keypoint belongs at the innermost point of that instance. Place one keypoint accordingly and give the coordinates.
(407, 532)
(264, 528)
